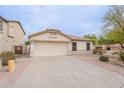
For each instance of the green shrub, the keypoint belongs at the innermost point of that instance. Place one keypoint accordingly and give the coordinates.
(104, 58)
(122, 56)
(5, 56)
(94, 52)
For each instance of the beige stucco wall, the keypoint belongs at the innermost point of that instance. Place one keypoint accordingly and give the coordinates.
(92, 46)
(19, 37)
(10, 43)
(11, 29)
(81, 45)
(46, 36)
(1, 43)
(16, 34)
(3, 37)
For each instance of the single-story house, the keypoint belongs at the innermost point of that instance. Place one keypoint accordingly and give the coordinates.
(53, 42)
(12, 36)
(113, 47)
(109, 48)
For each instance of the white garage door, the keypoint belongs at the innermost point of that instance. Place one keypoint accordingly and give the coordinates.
(50, 49)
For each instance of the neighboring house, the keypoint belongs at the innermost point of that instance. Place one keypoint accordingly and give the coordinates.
(113, 47)
(52, 42)
(12, 35)
(109, 48)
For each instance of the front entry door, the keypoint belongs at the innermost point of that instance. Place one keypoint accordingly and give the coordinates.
(88, 46)
(74, 46)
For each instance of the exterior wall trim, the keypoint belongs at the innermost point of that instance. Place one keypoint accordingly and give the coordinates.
(50, 41)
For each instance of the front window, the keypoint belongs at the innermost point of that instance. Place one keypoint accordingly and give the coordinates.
(52, 34)
(1, 26)
(74, 46)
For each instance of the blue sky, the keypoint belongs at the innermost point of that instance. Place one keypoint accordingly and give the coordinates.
(75, 20)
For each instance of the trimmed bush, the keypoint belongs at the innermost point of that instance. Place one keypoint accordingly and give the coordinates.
(121, 56)
(94, 52)
(104, 58)
(97, 52)
(5, 56)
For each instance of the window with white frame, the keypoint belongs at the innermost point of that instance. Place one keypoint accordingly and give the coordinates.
(52, 34)
(1, 25)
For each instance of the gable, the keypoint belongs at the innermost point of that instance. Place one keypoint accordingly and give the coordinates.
(46, 36)
(12, 21)
(19, 25)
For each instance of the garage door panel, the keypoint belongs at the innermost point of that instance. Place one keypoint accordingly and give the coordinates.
(50, 49)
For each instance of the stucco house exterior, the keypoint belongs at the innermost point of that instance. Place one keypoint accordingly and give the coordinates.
(12, 34)
(53, 42)
(112, 47)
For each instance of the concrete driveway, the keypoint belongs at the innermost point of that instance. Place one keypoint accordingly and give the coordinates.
(66, 72)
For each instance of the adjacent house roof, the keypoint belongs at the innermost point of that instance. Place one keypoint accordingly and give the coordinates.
(77, 38)
(6, 20)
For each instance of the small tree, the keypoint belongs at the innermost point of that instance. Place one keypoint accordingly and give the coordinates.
(114, 25)
(93, 37)
(114, 18)
(116, 37)
(6, 56)
(103, 40)
(27, 43)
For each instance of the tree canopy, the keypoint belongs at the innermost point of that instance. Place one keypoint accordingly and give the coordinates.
(93, 37)
(114, 18)
(114, 25)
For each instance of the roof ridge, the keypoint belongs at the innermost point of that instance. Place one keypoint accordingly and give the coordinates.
(8, 20)
(52, 29)
(3, 18)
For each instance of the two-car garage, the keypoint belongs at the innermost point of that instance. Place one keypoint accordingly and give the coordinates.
(50, 48)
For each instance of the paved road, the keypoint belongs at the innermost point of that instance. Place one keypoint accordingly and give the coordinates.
(66, 72)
